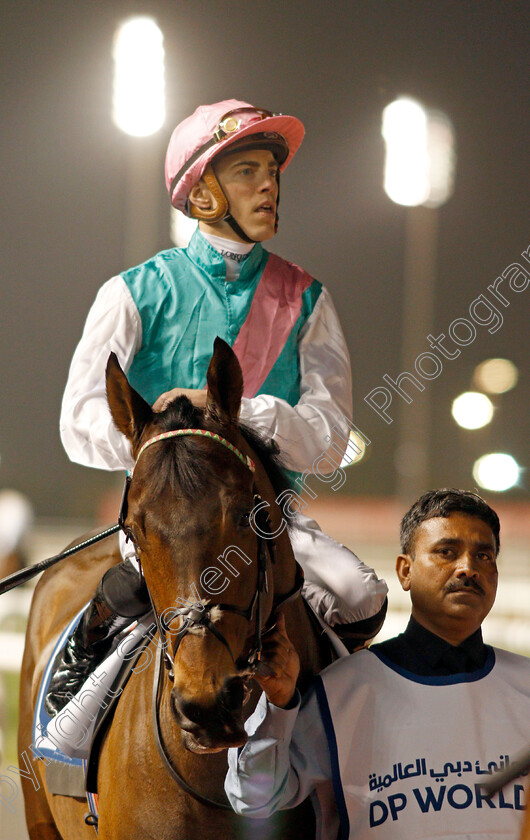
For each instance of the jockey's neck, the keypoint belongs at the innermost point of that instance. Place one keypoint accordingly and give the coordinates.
(234, 253)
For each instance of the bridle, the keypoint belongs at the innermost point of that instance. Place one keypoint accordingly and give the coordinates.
(196, 616)
(199, 616)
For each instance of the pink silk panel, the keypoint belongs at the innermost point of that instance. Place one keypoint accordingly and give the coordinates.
(275, 308)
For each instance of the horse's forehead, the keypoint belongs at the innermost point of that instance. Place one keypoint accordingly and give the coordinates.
(213, 491)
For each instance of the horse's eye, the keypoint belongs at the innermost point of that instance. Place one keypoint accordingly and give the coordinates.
(244, 521)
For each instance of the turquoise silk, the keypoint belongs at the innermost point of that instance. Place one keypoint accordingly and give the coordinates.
(184, 302)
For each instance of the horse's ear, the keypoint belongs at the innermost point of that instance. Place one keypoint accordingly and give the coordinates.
(129, 410)
(225, 383)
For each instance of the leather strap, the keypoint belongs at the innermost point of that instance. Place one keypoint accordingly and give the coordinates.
(167, 761)
(220, 209)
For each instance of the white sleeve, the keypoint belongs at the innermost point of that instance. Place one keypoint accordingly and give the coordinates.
(87, 429)
(325, 395)
(285, 758)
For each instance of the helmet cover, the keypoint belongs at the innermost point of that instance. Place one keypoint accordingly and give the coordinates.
(213, 128)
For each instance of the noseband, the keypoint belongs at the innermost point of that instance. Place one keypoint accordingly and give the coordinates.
(201, 617)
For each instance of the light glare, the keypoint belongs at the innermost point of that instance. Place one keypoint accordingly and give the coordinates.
(355, 450)
(182, 228)
(406, 167)
(139, 83)
(496, 376)
(472, 410)
(419, 164)
(441, 157)
(496, 471)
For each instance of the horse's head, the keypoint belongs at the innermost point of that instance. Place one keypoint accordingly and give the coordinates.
(190, 513)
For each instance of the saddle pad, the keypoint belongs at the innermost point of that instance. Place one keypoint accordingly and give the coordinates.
(41, 741)
(66, 738)
(66, 779)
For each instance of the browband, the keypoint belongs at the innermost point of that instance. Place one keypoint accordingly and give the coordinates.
(248, 462)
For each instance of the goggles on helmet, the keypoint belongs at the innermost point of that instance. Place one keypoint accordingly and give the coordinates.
(230, 123)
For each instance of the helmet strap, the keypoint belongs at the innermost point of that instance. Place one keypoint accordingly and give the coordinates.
(237, 228)
(218, 212)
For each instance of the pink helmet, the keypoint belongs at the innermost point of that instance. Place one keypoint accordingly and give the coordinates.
(211, 129)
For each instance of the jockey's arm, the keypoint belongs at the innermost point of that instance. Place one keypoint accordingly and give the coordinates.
(319, 419)
(88, 433)
(114, 325)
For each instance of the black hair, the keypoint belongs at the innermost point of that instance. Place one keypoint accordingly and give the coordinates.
(443, 503)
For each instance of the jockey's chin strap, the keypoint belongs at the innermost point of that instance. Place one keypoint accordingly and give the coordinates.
(196, 617)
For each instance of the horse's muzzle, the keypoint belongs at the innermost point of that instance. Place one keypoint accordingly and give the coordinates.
(215, 726)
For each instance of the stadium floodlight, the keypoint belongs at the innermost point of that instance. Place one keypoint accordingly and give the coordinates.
(139, 80)
(472, 410)
(420, 158)
(496, 471)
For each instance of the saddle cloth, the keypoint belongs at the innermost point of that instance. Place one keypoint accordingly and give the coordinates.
(66, 738)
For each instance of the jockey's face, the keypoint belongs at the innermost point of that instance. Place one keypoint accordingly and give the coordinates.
(249, 181)
(451, 574)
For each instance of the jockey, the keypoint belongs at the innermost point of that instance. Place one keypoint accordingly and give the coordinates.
(223, 168)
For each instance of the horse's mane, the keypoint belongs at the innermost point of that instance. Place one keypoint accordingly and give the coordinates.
(191, 472)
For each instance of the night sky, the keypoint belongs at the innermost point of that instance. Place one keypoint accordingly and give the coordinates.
(335, 65)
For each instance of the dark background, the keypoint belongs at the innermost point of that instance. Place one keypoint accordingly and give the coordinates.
(335, 65)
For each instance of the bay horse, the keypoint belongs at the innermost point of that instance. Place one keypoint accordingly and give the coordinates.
(189, 499)
(525, 835)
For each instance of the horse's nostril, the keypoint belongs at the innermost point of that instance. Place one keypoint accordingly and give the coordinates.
(233, 694)
(192, 711)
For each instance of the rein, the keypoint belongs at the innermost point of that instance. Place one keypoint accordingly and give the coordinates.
(23, 575)
(167, 761)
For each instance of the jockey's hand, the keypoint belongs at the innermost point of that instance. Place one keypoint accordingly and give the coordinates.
(196, 395)
(279, 666)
